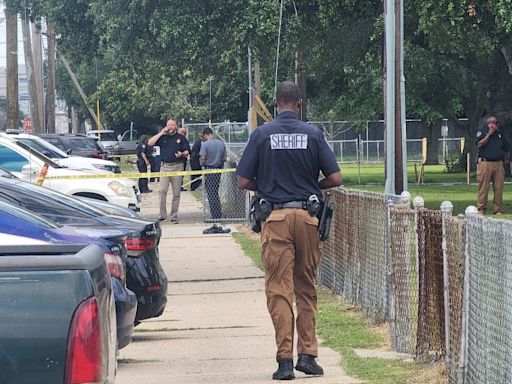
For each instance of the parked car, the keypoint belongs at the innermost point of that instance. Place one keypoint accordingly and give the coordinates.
(88, 164)
(124, 144)
(76, 144)
(26, 163)
(15, 220)
(57, 321)
(107, 138)
(144, 273)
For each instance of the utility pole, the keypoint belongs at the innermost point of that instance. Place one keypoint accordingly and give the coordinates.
(400, 116)
(394, 99)
(29, 64)
(79, 89)
(38, 71)
(12, 68)
(50, 87)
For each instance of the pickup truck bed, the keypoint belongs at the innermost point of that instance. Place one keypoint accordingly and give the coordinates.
(41, 288)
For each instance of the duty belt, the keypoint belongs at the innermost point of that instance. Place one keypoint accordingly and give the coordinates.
(491, 161)
(291, 204)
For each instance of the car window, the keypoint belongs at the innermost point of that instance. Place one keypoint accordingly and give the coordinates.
(39, 155)
(64, 201)
(131, 136)
(10, 160)
(27, 216)
(56, 142)
(81, 144)
(40, 148)
(108, 136)
(9, 199)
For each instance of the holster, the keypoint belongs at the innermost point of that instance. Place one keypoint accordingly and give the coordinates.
(260, 210)
(325, 217)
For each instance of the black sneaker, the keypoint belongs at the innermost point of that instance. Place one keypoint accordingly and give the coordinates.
(308, 365)
(284, 370)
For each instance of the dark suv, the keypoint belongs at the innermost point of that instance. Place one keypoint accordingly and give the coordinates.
(76, 144)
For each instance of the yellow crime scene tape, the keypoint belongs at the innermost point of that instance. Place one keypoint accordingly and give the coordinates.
(142, 175)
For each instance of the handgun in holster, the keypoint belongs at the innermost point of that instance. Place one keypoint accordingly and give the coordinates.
(260, 210)
(325, 217)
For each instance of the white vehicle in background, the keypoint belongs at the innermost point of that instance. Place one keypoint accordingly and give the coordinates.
(89, 164)
(26, 163)
(125, 144)
(107, 138)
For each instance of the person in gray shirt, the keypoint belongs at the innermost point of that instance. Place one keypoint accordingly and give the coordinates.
(213, 156)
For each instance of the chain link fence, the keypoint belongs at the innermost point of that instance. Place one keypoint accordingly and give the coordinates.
(357, 266)
(489, 334)
(404, 272)
(443, 283)
(351, 142)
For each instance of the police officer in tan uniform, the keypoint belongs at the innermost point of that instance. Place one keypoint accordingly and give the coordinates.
(282, 163)
(492, 150)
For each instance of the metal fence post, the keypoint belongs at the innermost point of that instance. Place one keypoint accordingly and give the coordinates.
(446, 209)
(418, 203)
(471, 210)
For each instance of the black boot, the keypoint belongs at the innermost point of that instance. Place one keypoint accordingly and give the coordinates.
(285, 370)
(308, 365)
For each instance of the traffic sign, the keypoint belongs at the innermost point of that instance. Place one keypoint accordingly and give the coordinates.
(27, 124)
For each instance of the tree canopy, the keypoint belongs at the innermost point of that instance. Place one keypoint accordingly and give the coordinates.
(146, 60)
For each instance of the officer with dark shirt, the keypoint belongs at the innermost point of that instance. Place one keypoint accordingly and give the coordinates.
(173, 149)
(195, 165)
(492, 150)
(144, 153)
(282, 163)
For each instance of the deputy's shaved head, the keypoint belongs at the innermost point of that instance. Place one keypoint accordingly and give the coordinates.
(288, 92)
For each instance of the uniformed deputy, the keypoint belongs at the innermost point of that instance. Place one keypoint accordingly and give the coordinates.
(144, 153)
(173, 149)
(492, 150)
(282, 163)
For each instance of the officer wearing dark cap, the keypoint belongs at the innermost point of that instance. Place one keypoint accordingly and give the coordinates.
(282, 163)
(492, 150)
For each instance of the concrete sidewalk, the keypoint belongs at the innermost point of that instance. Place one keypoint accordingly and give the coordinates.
(216, 328)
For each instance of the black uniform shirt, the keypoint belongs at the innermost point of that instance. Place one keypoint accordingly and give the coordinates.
(496, 147)
(144, 148)
(286, 157)
(170, 144)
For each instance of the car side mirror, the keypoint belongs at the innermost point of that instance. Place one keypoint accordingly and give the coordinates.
(28, 171)
(69, 151)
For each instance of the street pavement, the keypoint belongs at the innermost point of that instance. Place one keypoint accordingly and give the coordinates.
(216, 328)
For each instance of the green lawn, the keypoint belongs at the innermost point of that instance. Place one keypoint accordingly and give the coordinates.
(438, 187)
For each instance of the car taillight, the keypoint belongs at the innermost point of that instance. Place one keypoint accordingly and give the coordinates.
(115, 266)
(84, 360)
(96, 154)
(138, 244)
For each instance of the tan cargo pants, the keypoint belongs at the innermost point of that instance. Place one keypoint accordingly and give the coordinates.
(175, 182)
(487, 172)
(291, 253)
